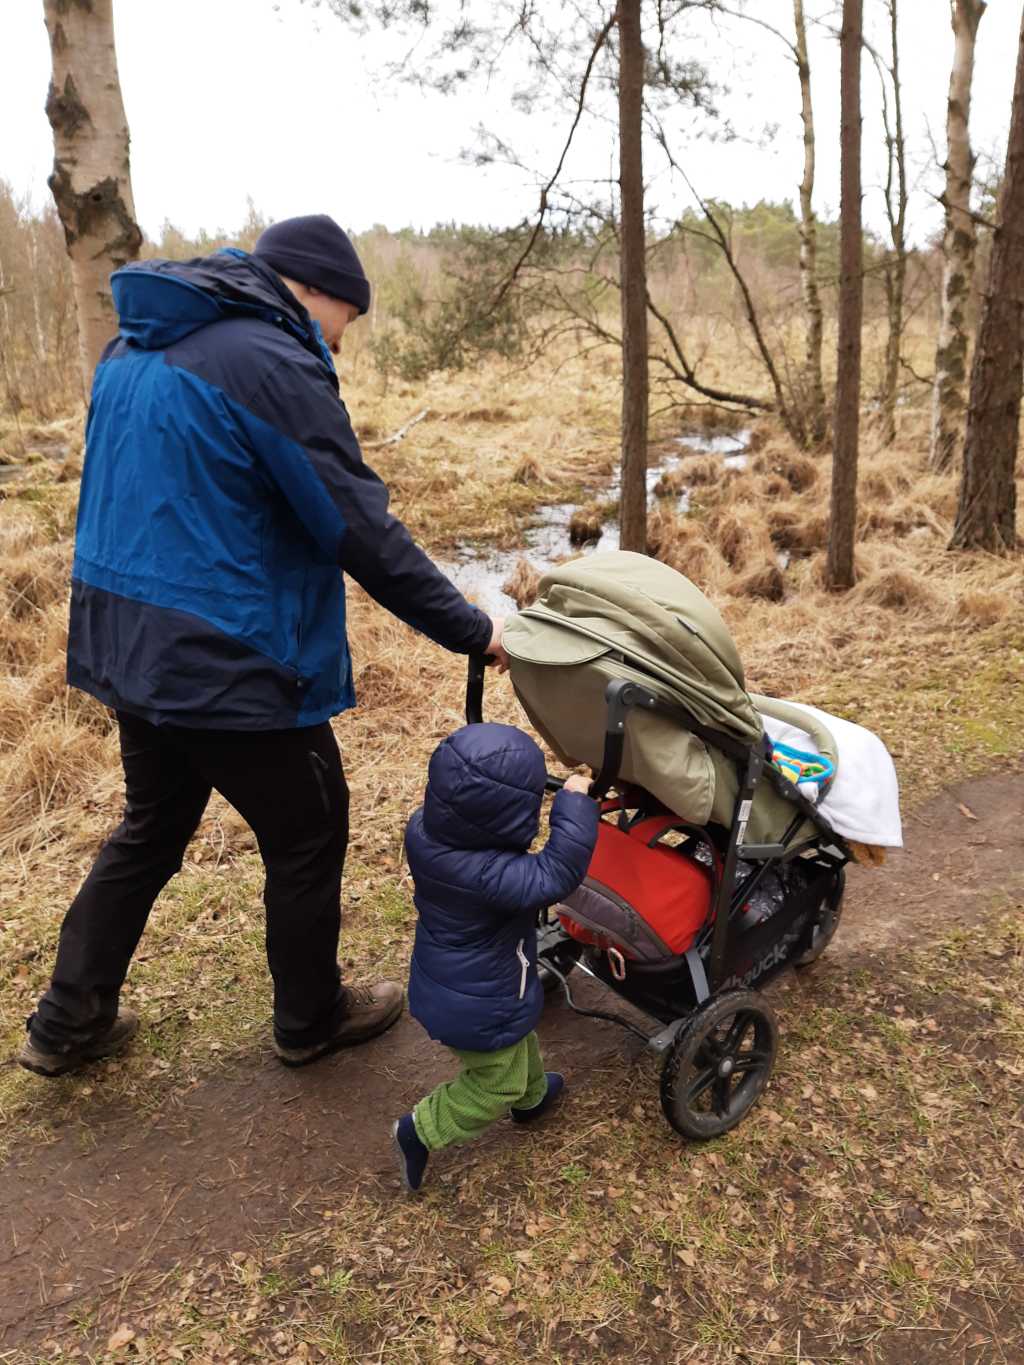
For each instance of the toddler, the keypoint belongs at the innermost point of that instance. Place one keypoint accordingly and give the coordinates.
(474, 984)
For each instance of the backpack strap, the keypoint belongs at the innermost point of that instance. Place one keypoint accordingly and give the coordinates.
(654, 827)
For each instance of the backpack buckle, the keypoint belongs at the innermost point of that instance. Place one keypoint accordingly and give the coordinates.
(617, 963)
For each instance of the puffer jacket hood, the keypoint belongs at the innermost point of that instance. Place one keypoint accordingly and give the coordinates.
(484, 789)
(160, 303)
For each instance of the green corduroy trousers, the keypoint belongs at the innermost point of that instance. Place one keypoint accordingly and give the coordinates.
(489, 1084)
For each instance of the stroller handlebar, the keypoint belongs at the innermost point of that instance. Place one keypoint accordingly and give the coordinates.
(475, 687)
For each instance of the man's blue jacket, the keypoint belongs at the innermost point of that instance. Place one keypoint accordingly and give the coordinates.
(223, 494)
(474, 982)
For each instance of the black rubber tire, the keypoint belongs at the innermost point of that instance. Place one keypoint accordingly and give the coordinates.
(738, 1027)
(830, 911)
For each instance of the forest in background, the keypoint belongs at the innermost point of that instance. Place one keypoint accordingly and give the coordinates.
(419, 278)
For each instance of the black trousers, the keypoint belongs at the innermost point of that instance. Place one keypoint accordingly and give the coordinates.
(290, 787)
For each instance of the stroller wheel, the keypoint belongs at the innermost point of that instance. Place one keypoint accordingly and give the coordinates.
(828, 912)
(719, 1064)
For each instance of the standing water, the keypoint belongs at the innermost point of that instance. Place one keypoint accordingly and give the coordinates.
(480, 571)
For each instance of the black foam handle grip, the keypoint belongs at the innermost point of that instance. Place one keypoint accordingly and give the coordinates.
(475, 688)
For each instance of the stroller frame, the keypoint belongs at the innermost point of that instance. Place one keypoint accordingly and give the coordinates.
(712, 1025)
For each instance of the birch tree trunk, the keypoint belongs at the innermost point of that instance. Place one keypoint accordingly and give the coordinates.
(839, 569)
(816, 419)
(896, 210)
(986, 517)
(633, 269)
(958, 244)
(90, 181)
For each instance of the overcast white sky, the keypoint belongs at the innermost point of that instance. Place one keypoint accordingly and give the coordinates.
(276, 100)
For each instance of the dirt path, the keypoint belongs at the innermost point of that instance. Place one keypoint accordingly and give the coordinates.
(242, 1156)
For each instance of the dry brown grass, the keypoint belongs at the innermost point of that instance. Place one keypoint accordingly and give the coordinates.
(694, 472)
(899, 588)
(523, 584)
(683, 544)
(767, 582)
(585, 524)
(980, 608)
(775, 457)
(58, 758)
(928, 651)
(527, 471)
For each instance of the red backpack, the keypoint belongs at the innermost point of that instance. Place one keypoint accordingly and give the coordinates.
(641, 900)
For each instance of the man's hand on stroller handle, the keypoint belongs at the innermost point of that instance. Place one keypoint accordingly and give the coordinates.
(495, 650)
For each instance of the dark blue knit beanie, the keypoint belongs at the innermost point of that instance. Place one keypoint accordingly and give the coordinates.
(315, 251)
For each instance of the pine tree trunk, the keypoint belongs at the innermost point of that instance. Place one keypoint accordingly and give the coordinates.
(90, 181)
(958, 245)
(986, 517)
(633, 267)
(816, 418)
(839, 570)
(896, 272)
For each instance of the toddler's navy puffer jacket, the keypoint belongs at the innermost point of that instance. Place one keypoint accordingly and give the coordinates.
(474, 982)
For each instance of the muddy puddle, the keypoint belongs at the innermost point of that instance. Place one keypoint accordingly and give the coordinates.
(480, 571)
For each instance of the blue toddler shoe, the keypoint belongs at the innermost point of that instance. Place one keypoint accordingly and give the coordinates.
(556, 1084)
(411, 1153)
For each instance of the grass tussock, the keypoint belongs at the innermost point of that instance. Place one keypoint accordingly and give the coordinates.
(527, 471)
(740, 533)
(683, 544)
(698, 471)
(899, 588)
(586, 524)
(777, 459)
(982, 608)
(523, 584)
(767, 582)
(32, 581)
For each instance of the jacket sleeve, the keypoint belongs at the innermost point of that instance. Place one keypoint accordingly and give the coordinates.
(305, 446)
(532, 881)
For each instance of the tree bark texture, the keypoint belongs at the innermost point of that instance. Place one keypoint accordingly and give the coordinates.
(633, 268)
(958, 245)
(816, 417)
(986, 517)
(896, 210)
(839, 569)
(90, 182)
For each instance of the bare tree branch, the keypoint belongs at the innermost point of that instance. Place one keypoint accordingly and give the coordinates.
(513, 275)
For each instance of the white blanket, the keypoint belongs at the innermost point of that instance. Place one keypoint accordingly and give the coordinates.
(863, 802)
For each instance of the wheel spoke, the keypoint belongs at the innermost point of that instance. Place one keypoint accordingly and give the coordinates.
(709, 1053)
(703, 1081)
(723, 1095)
(733, 1039)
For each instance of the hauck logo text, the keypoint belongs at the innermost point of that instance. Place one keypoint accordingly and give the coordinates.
(774, 957)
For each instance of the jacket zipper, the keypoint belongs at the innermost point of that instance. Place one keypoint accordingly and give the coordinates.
(526, 967)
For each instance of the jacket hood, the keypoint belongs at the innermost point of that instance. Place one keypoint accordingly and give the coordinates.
(484, 789)
(162, 302)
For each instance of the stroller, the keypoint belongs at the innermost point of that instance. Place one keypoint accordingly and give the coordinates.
(713, 872)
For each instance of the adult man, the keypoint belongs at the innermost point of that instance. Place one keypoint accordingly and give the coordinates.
(223, 495)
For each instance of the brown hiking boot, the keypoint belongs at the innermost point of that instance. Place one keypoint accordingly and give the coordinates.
(115, 1039)
(369, 1010)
